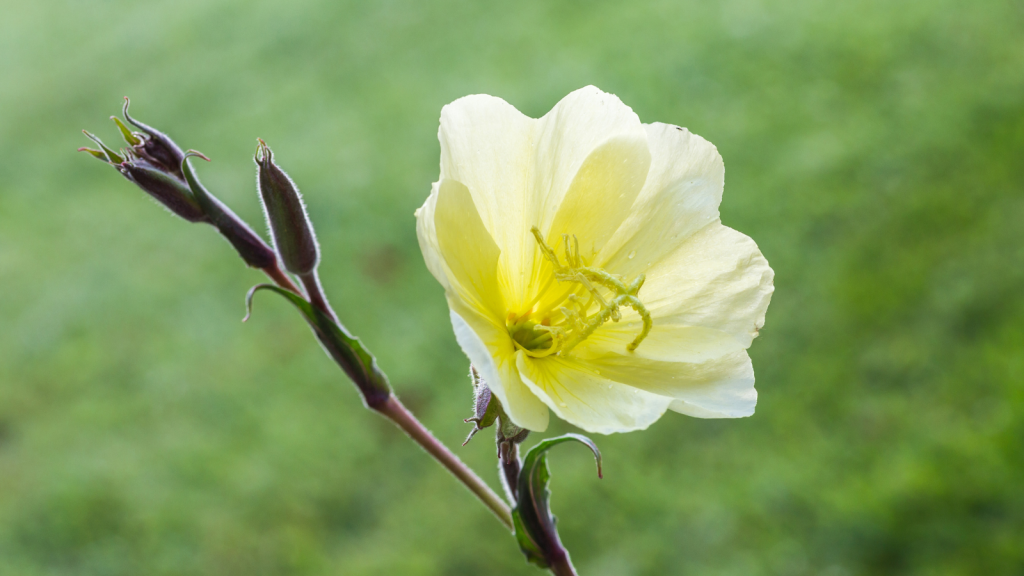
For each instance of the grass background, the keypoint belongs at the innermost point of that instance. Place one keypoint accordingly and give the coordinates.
(874, 150)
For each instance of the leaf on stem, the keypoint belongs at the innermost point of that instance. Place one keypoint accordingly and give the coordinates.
(346, 350)
(534, 523)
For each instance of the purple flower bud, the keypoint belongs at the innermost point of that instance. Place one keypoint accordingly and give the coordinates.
(165, 187)
(152, 144)
(289, 224)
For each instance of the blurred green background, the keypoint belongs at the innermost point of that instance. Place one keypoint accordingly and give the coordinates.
(875, 151)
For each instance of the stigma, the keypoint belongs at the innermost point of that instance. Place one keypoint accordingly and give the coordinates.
(595, 299)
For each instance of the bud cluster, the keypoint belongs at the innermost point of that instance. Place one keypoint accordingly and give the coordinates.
(157, 165)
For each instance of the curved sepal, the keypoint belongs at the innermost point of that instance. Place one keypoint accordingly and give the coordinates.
(534, 523)
(345, 349)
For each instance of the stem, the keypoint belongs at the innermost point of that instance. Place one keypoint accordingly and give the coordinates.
(280, 278)
(316, 293)
(562, 566)
(509, 466)
(401, 416)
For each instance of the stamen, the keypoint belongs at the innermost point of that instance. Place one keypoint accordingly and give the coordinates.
(590, 279)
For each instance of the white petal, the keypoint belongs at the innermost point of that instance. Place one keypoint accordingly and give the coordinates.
(681, 195)
(491, 351)
(581, 396)
(716, 279)
(469, 253)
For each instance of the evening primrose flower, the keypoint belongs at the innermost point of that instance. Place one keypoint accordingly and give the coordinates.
(585, 265)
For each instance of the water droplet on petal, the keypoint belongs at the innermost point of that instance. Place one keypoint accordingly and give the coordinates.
(632, 254)
(609, 386)
(562, 404)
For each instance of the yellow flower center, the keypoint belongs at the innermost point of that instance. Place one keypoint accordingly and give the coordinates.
(540, 339)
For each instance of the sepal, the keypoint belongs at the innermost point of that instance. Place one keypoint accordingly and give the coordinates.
(485, 406)
(151, 144)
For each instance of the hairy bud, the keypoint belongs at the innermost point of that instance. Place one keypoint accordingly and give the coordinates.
(166, 187)
(289, 224)
(151, 144)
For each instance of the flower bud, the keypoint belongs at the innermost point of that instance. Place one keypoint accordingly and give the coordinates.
(151, 144)
(164, 186)
(485, 405)
(289, 224)
(166, 189)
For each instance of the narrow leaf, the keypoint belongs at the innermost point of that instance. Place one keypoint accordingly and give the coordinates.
(344, 348)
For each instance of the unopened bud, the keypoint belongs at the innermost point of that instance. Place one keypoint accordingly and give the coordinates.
(166, 188)
(290, 226)
(485, 406)
(151, 144)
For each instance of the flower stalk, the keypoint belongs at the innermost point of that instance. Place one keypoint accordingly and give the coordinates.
(158, 166)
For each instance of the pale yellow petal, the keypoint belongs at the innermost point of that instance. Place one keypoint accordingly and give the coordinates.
(695, 411)
(716, 279)
(582, 396)
(469, 252)
(427, 237)
(601, 194)
(518, 169)
(491, 351)
(680, 196)
(722, 386)
(666, 342)
(488, 145)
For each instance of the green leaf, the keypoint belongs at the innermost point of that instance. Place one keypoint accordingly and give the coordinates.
(346, 350)
(534, 524)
